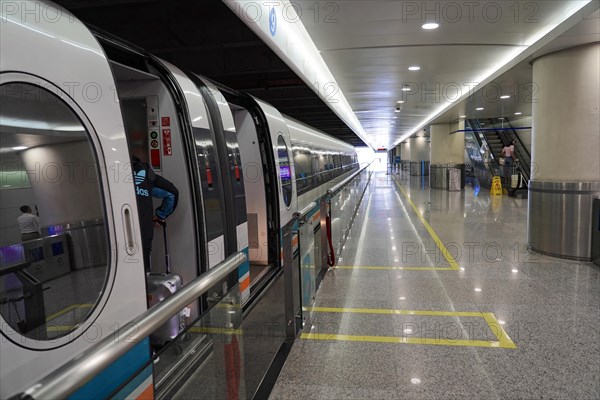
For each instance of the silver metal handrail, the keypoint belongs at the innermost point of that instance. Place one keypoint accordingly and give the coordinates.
(81, 369)
(346, 181)
(300, 215)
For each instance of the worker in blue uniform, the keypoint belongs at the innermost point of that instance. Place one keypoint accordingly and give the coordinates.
(148, 185)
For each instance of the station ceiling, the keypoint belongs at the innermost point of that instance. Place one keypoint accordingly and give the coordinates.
(368, 46)
(206, 37)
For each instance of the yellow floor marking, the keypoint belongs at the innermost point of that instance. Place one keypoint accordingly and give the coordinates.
(401, 340)
(397, 268)
(397, 312)
(496, 328)
(60, 328)
(504, 341)
(219, 331)
(434, 236)
(228, 306)
(66, 310)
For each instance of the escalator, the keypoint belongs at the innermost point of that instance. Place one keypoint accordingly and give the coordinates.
(492, 136)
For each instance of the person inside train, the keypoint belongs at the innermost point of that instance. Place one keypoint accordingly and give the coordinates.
(148, 185)
(29, 224)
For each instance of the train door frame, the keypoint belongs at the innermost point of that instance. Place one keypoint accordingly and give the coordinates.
(127, 54)
(271, 185)
(219, 136)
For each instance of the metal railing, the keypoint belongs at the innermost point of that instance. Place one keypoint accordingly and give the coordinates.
(81, 369)
(301, 215)
(339, 186)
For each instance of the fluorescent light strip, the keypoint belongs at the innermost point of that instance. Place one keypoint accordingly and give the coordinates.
(292, 43)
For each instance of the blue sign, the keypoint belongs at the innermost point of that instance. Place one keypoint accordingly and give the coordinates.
(272, 21)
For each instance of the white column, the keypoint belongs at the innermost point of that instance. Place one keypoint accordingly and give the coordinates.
(419, 149)
(447, 148)
(565, 151)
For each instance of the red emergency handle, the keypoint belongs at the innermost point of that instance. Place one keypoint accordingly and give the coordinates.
(237, 173)
(209, 178)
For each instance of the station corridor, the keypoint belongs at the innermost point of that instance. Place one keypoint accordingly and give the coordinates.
(436, 296)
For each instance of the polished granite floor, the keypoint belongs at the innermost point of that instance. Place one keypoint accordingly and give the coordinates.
(485, 286)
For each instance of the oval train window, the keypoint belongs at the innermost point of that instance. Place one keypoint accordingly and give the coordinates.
(54, 254)
(285, 171)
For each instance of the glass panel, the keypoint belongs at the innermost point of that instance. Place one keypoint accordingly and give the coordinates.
(285, 172)
(221, 375)
(52, 215)
(307, 262)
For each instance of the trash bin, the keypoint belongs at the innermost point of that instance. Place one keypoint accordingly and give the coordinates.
(454, 180)
(596, 231)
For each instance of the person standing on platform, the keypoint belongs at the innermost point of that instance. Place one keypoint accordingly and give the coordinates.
(29, 224)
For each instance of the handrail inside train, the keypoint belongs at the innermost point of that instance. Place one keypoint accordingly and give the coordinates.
(78, 371)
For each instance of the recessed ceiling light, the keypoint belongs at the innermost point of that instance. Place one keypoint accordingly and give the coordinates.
(480, 108)
(20, 148)
(430, 25)
(397, 110)
(478, 289)
(501, 118)
(518, 113)
(406, 89)
(414, 68)
(400, 101)
(505, 97)
(462, 116)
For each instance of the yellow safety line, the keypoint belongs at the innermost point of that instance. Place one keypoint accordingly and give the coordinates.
(66, 310)
(402, 340)
(396, 312)
(505, 340)
(220, 331)
(434, 236)
(228, 306)
(397, 268)
(60, 328)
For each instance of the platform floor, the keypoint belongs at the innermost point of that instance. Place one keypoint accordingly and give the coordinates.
(473, 316)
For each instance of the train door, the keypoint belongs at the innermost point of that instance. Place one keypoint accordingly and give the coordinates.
(231, 174)
(155, 135)
(268, 183)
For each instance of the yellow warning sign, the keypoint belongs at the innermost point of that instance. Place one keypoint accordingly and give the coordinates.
(496, 187)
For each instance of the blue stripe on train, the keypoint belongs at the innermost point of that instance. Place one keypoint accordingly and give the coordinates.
(245, 267)
(134, 384)
(116, 374)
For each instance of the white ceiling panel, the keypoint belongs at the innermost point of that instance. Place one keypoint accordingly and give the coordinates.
(368, 46)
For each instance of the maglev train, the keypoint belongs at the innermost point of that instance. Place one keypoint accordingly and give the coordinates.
(76, 105)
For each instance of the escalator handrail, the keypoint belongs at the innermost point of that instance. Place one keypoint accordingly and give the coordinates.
(78, 371)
